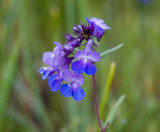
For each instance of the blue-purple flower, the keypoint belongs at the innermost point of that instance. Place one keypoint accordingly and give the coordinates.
(87, 58)
(53, 60)
(73, 89)
(97, 27)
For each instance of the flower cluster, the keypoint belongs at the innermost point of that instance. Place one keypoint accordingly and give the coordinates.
(67, 62)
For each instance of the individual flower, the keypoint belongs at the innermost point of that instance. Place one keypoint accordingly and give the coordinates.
(53, 60)
(73, 89)
(87, 58)
(97, 27)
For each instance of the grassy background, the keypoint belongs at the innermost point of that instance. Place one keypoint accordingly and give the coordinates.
(29, 27)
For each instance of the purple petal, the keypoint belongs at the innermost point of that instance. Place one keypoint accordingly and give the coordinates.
(78, 66)
(104, 26)
(96, 20)
(48, 58)
(80, 54)
(75, 43)
(57, 44)
(89, 46)
(67, 75)
(68, 37)
(78, 94)
(68, 48)
(66, 90)
(59, 54)
(78, 78)
(90, 69)
(54, 83)
(94, 56)
(65, 63)
(100, 23)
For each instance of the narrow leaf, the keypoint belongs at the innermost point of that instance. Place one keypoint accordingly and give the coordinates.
(113, 111)
(107, 89)
(111, 50)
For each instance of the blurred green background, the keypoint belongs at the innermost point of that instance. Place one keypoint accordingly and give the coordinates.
(28, 28)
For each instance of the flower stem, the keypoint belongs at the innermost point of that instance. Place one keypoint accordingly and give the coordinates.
(96, 103)
(102, 128)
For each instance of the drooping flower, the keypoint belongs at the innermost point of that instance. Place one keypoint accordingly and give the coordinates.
(73, 89)
(87, 58)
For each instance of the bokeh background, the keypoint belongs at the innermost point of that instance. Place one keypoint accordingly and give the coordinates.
(28, 28)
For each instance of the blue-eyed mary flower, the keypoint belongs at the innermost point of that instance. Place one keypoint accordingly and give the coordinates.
(73, 89)
(53, 60)
(87, 59)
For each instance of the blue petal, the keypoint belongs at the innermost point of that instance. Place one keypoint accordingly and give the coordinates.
(78, 66)
(54, 83)
(66, 90)
(90, 69)
(45, 74)
(78, 94)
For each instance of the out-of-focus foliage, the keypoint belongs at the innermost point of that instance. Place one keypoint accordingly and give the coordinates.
(29, 27)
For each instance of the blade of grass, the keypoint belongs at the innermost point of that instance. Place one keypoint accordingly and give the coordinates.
(107, 89)
(9, 71)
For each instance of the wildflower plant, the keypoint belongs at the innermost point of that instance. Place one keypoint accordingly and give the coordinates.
(68, 62)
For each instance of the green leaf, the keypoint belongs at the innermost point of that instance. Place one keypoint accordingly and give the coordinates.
(111, 50)
(107, 89)
(113, 111)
